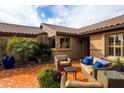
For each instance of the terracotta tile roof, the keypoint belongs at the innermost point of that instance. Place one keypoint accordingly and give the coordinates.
(61, 29)
(19, 29)
(114, 23)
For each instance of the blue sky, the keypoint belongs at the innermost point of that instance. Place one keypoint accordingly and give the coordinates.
(70, 16)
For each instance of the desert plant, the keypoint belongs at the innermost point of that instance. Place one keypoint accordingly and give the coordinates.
(119, 62)
(21, 46)
(45, 51)
(33, 51)
(28, 49)
(47, 79)
(44, 57)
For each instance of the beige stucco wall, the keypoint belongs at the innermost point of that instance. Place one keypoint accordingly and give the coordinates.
(97, 43)
(42, 38)
(74, 52)
(3, 40)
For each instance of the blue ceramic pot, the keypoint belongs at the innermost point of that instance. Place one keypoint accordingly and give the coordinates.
(8, 62)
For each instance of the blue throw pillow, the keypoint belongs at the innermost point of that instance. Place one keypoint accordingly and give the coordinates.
(100, 63)
(88, 60)
(85, 61)
(97, 65)
(103, 62)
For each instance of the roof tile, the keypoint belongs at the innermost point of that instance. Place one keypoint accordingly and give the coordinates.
(19, 29)
(104, 24)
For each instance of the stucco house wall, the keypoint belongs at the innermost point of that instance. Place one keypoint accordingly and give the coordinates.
(98, 43)
(41, 38)
(75, 50)
(3, 40)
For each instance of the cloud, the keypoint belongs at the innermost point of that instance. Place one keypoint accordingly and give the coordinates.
(25, 15)
(79, 16)
(70, 16)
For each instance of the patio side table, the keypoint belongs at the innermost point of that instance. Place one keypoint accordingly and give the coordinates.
(71, 69)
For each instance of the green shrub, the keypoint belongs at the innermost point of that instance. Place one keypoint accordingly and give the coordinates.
(119, 62)
(44, 57)
(22, 46)
(45, 51)
(28, 49)
(47, 79)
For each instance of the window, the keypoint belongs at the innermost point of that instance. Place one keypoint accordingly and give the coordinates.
(111, 40)
(115, 45)
(111, 51)
(64, 42)
(52, 42)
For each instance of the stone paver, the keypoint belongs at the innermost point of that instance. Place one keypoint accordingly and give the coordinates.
(26, 77)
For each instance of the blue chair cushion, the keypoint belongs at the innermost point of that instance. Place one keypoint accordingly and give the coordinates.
(88, 60)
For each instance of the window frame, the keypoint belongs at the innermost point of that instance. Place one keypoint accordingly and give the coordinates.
(114, 45)
(70, 43)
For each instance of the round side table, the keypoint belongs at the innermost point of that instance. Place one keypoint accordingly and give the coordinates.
(71, 69)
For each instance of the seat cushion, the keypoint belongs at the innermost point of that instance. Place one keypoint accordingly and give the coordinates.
(64, 63)
(95, 59)
(81, 84)
(61, 57)
(87, 68)
(111, 59)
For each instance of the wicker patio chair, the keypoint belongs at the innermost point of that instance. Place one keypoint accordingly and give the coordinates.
(61, 61)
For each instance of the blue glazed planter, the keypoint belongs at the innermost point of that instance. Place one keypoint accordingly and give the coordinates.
(8, 62)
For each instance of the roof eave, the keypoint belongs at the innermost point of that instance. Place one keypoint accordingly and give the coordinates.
(67, 33)
(17, 34)
(109, 28)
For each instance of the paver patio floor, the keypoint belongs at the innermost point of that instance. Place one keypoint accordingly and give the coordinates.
(26, 77)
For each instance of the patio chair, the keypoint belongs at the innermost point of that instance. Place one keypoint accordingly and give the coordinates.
(61, 61)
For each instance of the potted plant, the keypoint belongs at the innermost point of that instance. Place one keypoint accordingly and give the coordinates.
(8, 62)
